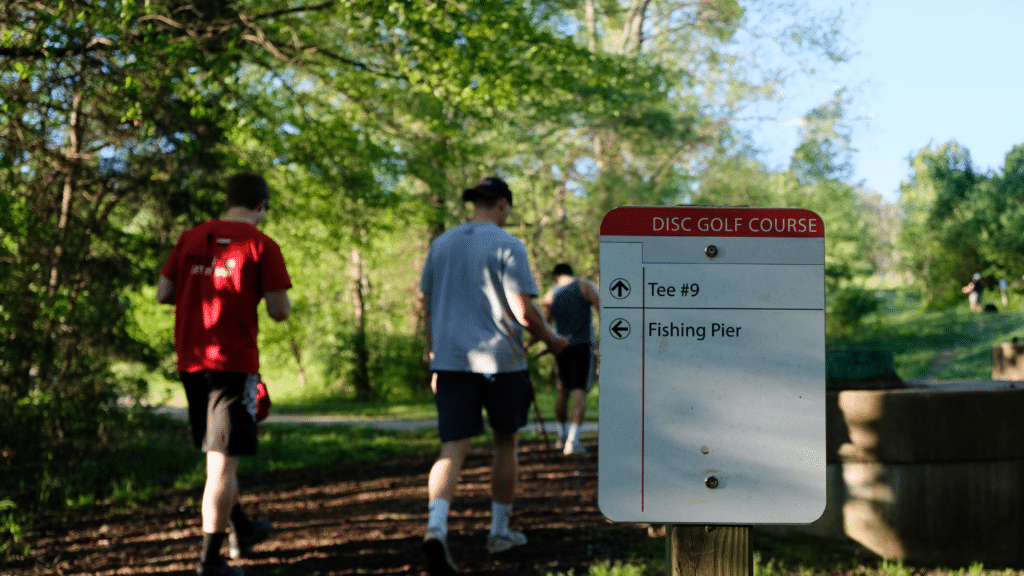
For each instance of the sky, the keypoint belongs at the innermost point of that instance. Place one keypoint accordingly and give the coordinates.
(920, 73)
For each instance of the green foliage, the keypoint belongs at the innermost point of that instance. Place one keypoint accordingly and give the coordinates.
(849, 306)
(395, 369)
(122, 119)
(103, 144)
(12, 534)
(608, 568)
(824, 152)
(942, 230)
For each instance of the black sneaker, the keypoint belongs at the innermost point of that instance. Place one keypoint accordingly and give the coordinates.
(439, 561)
(218, 568)
(240, 545)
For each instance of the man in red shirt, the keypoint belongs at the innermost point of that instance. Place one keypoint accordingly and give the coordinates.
(216, 276)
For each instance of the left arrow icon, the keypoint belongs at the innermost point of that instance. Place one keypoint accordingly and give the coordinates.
(619, 328)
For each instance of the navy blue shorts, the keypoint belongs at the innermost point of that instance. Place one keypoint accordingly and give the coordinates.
(222, 411)
(576, 367)
(461, 396)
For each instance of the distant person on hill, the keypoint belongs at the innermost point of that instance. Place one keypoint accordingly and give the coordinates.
(973, 290)
(570, 305)
(478, 295)
(216, 276)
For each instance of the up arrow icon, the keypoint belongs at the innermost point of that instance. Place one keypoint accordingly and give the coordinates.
(619, 288)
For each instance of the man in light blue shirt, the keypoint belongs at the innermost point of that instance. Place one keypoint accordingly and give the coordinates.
(478, 294)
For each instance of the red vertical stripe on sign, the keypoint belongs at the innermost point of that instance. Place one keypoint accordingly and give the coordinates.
(643, 385)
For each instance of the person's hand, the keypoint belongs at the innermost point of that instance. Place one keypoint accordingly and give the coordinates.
(433, 383)
(558, 344)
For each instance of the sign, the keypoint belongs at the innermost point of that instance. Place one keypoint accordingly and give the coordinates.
(712, 366)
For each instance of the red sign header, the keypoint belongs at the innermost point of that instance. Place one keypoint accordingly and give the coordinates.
(712, 221)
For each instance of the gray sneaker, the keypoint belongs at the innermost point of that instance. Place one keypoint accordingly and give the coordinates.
(439, 560)
(498, 543)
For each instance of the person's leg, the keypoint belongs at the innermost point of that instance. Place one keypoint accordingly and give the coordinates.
(230, 433)
(221, 492)
(443, 479)
(561, 400)
(505, 468)
(579, 410)
(579, 405)
(243, 402)
(508, 408)
(459, 418)
(562, 412)
(504, 480)
(246, 533)
(219, 496)
(578, 364)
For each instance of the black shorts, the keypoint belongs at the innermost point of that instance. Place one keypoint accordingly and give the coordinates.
(461, 395)
(576, 367)
(222, 411)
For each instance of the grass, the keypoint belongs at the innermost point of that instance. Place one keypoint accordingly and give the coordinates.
(159, 455)
(787, 556)
(946, 344)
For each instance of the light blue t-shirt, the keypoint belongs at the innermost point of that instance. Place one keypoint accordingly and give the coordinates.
(470, 274)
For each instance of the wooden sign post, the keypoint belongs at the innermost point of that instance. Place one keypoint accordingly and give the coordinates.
(694, 550)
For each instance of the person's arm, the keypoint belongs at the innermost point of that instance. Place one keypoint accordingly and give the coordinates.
(546, 301)
(427, 302)
(278, 304)
(427, 325)
(527, 313)
(591, 294)
(165, 290)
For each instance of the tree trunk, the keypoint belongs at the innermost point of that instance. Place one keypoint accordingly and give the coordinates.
(361, 370)
(591, 17)
(297, 352)
(562, 225)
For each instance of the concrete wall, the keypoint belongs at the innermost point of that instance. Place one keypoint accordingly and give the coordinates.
(929, 473)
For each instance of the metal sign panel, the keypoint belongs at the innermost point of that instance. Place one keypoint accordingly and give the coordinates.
(712, 366)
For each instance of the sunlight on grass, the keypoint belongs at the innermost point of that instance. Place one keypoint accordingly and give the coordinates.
(606, 569)
(804, 559)
(946, 344)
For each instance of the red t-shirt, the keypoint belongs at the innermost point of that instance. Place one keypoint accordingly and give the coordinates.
(221, 269)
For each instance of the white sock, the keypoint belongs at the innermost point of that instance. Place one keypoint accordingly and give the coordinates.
(574, 433)
(500, 515)
(438, 518)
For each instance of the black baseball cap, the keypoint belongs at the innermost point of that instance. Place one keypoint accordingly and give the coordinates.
(491, 187)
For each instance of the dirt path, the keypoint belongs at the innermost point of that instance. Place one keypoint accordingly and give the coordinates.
(359, 519)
